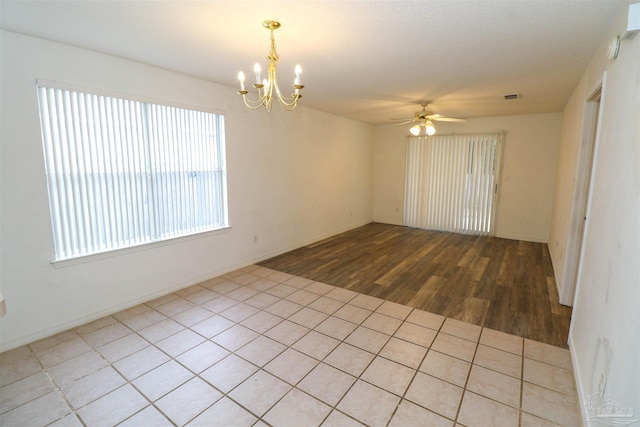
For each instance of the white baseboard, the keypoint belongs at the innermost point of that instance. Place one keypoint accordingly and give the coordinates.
(534, 239)
(578, 382)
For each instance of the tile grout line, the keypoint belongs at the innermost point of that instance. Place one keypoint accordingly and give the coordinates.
(358, 378)
(130, 382)
(110, 364)
(151, 344)
(57, 389)
(466, 382)
(415, 374)
(260, 418)
(231, 352)
(343, 341)
(335, 407)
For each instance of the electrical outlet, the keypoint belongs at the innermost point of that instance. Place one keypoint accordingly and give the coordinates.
(602, 383)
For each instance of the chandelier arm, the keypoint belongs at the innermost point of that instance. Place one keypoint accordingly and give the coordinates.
(286, 101)
(253, 104)
(271, 74)
(267, 99)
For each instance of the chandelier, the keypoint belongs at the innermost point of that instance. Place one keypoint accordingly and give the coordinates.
(268, 88)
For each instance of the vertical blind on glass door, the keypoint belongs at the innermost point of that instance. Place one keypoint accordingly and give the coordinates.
(450, 182)
(122, 172)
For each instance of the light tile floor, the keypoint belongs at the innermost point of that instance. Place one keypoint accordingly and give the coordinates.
(259, 347)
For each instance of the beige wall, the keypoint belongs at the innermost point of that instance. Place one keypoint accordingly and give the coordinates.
(388, 177)
(575, 141)
(293, 178)
(605, 328)
(528, 172)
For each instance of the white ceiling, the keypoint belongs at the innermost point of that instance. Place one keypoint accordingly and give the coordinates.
(368, 60)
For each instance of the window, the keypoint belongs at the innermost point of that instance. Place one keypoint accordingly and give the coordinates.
(122, 172)
(451, 182)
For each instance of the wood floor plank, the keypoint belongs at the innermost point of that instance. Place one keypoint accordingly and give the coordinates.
(426, 292)
(392, 275)
(479, 267)
(471, 310)
(507, 285)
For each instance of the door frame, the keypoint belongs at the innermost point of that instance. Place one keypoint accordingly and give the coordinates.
(585, 167)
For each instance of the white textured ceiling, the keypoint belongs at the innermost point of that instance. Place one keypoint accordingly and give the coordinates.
(368, 60)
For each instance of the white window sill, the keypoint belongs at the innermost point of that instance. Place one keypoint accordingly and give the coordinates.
(137, 248)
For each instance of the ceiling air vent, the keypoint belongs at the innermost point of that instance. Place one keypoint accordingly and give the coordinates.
(511, 96)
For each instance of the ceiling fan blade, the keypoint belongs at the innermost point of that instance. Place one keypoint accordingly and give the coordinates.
(404, 123)
(448, 119)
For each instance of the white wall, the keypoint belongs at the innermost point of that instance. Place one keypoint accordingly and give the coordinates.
(605, 328)
(528, 172)
(293, 178)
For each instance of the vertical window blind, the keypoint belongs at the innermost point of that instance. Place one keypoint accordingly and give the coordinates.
(450, 182)
(123, 172)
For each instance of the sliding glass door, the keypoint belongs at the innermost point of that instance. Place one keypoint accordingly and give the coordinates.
(451, 182)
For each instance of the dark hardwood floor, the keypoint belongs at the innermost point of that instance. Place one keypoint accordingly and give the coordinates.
(502, 284)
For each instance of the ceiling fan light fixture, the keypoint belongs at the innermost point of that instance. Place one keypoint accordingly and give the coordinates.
(424, 120)
(429, 128)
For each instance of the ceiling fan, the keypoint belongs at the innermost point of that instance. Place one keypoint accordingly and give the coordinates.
(424, 121)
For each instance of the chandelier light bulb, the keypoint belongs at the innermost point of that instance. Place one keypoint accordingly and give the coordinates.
(257, 70)
(241, 78)
(415, 130)
(298, 72)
